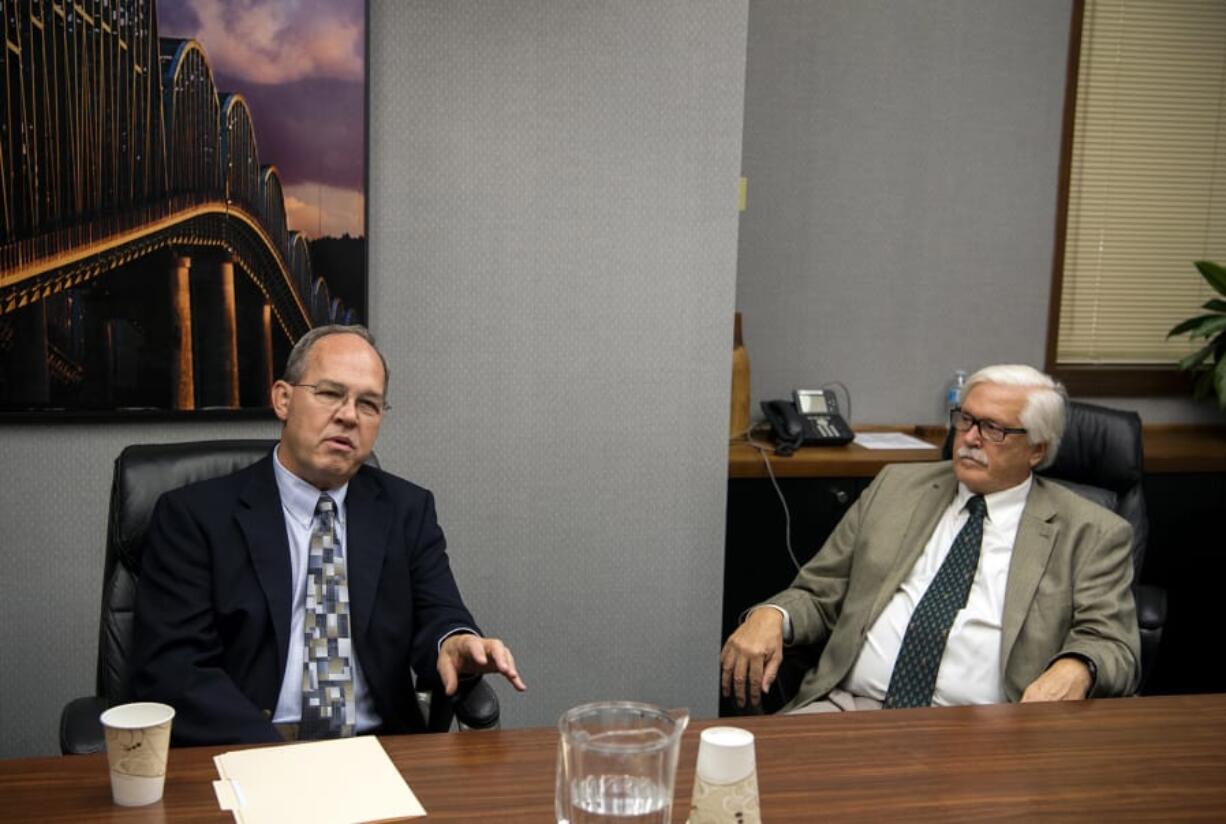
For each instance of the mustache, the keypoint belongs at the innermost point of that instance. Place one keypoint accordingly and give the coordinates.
(977, 455)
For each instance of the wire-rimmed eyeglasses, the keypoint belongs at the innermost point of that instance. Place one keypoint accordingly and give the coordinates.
(990, 430)
(333, 396)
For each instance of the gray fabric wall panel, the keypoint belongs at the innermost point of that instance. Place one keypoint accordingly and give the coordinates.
(54, 503)
(903, 160)
(553, 252)
(561, 181)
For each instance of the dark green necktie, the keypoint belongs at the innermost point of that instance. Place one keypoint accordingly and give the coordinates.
(915, 672)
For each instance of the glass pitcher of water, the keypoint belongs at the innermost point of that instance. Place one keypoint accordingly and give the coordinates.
(617, 761)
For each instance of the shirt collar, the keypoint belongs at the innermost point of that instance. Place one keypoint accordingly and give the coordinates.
(997, 502)
(299, 497)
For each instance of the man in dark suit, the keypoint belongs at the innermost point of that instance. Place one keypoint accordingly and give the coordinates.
(294, 597)
(1037, 607)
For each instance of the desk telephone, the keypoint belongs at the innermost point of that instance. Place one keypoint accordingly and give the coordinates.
(812, 418)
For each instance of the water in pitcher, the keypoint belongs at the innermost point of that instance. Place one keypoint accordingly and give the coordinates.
(619, 799)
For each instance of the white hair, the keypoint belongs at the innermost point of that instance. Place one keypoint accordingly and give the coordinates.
(1043, 416)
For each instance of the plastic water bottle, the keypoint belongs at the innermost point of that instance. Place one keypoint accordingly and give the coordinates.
(953, 391)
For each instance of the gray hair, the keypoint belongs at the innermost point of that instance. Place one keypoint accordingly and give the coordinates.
(295, 364)
(1043, 416)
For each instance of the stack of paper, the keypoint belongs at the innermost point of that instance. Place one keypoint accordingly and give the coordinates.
(345, 780)
(890, 440)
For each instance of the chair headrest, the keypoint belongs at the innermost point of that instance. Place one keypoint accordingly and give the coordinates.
(1101, 447)
(144, 471)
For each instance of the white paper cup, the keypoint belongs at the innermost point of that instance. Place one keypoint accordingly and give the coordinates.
(137, 743)
(725, 755)
(726, 783)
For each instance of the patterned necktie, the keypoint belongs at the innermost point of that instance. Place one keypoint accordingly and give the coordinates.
(915, 672)
(328, 706)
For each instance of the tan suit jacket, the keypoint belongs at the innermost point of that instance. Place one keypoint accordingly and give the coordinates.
(1069, 587)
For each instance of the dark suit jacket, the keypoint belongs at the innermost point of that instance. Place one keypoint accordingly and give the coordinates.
(213, 601)
(1069, 588)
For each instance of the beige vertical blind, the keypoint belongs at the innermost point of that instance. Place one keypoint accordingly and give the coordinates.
(1147, 189)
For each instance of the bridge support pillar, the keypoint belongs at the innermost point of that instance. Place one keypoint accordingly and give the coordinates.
(30, 375)
(182, 370)
(266, 345)
(217, 333)
(229, 338)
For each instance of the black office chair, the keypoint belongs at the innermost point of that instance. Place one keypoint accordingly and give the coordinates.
(142, 474)
(1101, 459)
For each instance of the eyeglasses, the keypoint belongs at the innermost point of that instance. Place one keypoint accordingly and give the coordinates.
(332, 396)
(990, 430)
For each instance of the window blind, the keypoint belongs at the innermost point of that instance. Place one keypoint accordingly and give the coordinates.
(1147, 185)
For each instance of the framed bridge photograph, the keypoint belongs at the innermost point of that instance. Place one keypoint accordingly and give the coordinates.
(182, 196)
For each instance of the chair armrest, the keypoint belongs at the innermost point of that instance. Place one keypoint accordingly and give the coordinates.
(1151, 607)
(476, 705)
(1151, 617)
(80, 730)
(473, 707)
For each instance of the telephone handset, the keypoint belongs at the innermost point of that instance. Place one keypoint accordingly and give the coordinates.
(811, 418)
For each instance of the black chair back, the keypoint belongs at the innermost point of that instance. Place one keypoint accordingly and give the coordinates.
(142, 473)
(1102, 449)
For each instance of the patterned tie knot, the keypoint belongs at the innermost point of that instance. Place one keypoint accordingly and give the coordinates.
(325, 505)
(977, 506)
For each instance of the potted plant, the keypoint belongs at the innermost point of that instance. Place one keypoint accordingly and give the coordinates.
(1210, 359)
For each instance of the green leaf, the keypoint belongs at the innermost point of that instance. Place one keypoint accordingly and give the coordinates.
(1192, 361)
(1219, 383)
(1215, 305)
(1214, 273)
(1191, 323)
(1209, 328)
(1203, 386)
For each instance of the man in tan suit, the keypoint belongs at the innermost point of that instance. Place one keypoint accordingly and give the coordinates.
(968, 582)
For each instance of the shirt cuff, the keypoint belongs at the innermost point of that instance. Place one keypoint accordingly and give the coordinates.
(457, 631)
(787, 620)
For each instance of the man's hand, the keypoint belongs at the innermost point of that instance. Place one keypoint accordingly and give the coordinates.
(752, 655)
(1067, 679)
(464, 653)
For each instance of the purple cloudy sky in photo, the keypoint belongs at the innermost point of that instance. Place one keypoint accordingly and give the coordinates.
(299, 64)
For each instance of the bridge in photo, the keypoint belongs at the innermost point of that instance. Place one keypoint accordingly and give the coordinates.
(145, 260)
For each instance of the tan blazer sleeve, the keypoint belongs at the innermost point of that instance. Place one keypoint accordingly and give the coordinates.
(1104, 620)
(814, 601)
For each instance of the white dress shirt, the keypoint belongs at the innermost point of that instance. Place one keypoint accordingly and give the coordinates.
(970, 668)
(298, 499)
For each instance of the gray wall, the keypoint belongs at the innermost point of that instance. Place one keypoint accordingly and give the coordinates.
(560, 179)
(903, 160)
(553, 230)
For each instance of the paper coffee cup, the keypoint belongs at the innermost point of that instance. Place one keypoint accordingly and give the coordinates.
(726, 778)
(137, 743)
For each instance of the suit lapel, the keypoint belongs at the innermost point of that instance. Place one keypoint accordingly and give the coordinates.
(263, 525)
(926, 509)
(1036, 536)
(368, 518)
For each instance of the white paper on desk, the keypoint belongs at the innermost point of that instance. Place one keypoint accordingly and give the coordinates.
(890, 440)
(344, 780)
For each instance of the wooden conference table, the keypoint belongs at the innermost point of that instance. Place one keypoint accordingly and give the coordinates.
(1161, 758)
